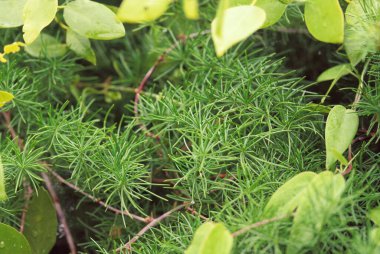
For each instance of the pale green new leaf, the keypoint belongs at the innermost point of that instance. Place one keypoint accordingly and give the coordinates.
(375, 237)
(325, 20)
(238, 24)
(5, 97)
(12, 241)
(191, 9)
(11, 13)
(93, 20)
(46, 46)
(274, 10)
(37, 15)
(3, 193)
(341, 127)
(141, 11)
(41, 223)
(286, 198)
(80, 45)
(211, 238)
(374, 215)
(335, 73)
(320, 201)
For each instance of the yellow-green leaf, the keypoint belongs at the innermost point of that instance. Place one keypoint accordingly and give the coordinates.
(286, 198)
(325, 20)
(238, 24)
(140, 11)
(274, 10)
(12, 241)
(374, 215)
(80, 45)
(320, 201)
(191, 9)
(5, 97)
(3, 193)
(341, 127)
(211, 238)
(93, 20)
(37, 15)
(335, 73)
(11, 13)
(46, 46)
(41, 223)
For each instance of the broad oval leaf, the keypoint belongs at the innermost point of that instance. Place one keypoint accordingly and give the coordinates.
(326, 24)
(5, 97)
(238, 24)
(335, 73)
(341, 127)
(11, 13)
(286, 198)
(12, 241)
(46, 46)
(80, 45)
(41, 223)
(93, 20)
(374, 215)
(3, 193)
(140, 11)
(211, 238)
(37, 15)
(191, 9)
(320, 201)
(274, 10)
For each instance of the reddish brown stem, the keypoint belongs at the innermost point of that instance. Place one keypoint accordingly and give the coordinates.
(28, 191)
(60, 213)
(153, 223)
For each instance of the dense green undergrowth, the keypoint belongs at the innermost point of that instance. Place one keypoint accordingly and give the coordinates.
(223, 133)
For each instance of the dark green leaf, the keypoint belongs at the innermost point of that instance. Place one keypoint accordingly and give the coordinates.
(12, 241)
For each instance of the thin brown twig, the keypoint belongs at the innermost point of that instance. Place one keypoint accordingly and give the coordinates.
(153, 223)
(96, 200)
(60, 213)
(193, 212)
(28, 191)
(259, 224)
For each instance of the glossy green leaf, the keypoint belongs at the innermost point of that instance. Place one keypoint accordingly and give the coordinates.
(238, 24)
(141, 11)
(80, 45)
(3, 193)
(11, 13)
(191, 9)
(211, 238)
(335, 73)
(41, 223)
(93, 20)
(341, 127)
(12, 241)
(46, 46)
(5, 97)
(37, 15)
(320, 201)
(374, 215)
(274, 10)
(326, 24)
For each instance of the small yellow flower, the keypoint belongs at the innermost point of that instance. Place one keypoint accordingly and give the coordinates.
(13, 48)
(2, 58)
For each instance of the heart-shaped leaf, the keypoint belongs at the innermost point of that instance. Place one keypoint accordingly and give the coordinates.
(11, 13)
(238, 24)
(12, 241)
(41, 223)
(211, 238)
(80, 45)
(274, 10)
(37, 15)
(46, 46)
(325, 23)
(335, 73)
(141, 11)
(341, 127)
(93, 20)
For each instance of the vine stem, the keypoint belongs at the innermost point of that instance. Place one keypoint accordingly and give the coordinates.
(259, 224)
(361, 85)
(153, 223)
